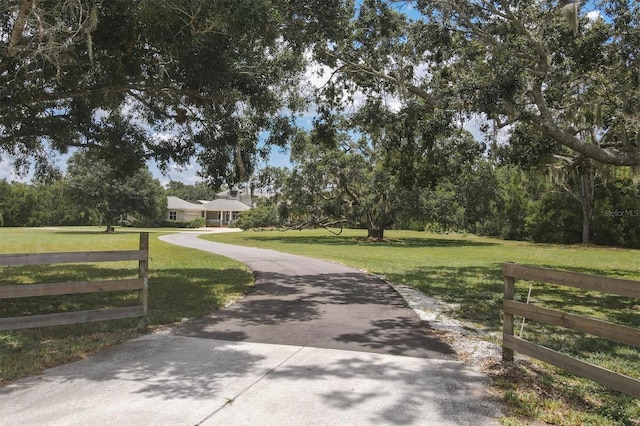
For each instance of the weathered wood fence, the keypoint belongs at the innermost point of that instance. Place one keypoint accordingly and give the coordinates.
(51, 289)
(607, 330)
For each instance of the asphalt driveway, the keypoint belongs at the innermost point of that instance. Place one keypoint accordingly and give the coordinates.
(309, 302)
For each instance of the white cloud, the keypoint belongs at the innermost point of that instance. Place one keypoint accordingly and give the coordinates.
(317, 75)
(187, 174)
(594, 15)
(474, 124)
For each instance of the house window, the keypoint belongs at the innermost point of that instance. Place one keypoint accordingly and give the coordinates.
(173, 215)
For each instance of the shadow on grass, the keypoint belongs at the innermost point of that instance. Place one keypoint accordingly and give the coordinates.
(174, 294)
(609, 307)
(117, 232)
(337, 240)
(475, 291)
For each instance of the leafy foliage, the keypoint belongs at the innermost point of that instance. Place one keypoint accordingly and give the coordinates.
(192, 193)
(264, 215)
(564, 70)
(41, 204)
(161, 79)
(95, 184)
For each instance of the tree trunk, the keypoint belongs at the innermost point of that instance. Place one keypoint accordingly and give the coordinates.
(587, 185)
(375, 234)
(108, 223)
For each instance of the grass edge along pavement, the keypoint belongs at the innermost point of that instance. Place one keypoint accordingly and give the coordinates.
(183, 283)
(464, 271)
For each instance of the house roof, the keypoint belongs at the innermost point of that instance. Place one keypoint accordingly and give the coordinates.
(226, 193)
(175, 203)
(226, 205)
(257, 193)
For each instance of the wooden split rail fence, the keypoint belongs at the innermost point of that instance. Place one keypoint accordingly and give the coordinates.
(607, 330)
(50, 289)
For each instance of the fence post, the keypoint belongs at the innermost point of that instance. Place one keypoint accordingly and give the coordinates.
(507, 324)
(143, 272)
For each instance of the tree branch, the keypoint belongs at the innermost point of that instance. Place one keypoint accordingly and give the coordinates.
(421, 93)
(18, 26)
(548, 126)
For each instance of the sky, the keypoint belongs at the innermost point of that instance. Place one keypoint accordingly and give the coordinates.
(187, 175)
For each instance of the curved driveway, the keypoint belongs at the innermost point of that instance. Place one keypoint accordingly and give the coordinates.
(309, 302)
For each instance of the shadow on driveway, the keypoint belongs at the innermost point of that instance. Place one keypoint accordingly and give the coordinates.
(347, 310)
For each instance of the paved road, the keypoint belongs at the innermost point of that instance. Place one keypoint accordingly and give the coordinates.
(277, 357)
(309, 302)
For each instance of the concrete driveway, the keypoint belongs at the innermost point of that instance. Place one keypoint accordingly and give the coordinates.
(314, 343)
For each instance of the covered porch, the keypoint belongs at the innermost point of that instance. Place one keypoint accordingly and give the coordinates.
(223, 212)
(221, 218)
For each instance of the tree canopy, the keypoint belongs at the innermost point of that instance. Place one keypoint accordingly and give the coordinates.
(154, 79)
(567, 70)
(93, 183)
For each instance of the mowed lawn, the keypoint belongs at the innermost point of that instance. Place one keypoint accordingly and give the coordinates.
(183, 283)
(465, 270)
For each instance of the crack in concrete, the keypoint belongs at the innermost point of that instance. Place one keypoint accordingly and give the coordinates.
(242, 392)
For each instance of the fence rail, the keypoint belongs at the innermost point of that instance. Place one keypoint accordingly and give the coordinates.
(607, 330)
(54, 289)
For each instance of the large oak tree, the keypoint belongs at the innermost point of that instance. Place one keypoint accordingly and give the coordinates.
(173, 78)
(567, 70)
(92, 183)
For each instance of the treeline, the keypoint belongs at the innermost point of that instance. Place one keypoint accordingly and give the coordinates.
(460, 189)
(54, 204)
(42, 204)
(62, 202)
(511, 203)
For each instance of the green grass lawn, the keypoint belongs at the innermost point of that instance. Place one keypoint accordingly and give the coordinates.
(183, 283)
(465, 270)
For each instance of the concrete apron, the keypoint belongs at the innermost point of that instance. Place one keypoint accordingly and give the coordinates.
(163, 379)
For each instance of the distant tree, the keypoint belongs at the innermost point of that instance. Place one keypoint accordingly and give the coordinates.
(5, 194)
(54, 206)
(270, 181)
(264, 215)
(93, 183)
(342, 185)
(616, 218)
(40, 204)
(20, 202)
(192, 193)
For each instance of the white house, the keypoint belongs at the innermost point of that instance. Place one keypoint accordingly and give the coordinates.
(184, 211)
(219, 212)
